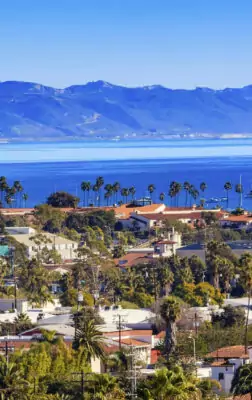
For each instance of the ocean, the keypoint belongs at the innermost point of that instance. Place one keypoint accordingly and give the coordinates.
(47, 167)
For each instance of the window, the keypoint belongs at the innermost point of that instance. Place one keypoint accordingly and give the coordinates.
(221, 376)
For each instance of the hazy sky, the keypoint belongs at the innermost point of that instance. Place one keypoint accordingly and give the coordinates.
(176, 43)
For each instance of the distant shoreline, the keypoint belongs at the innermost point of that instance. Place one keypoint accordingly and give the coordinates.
(192, 137)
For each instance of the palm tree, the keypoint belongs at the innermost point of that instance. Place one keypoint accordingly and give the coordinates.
(18, 189)
(8, 199)
(246, 281)
(132, 191)
(125, 193)
(107, 195)
(99, 184)
(116, 188)
(90, 339)
(239, 190)
(85, 187)
(106, 387)
(151, 189)
(162, 196)
(95, 190)
(10, 376)
(171, 384)
(25, 198)
(170, 311)
(203, 186)
(186, 187)
(228, 187)
(3, 187)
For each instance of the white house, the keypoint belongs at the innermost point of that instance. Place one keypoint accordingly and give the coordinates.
(25, 235)
(226, 361)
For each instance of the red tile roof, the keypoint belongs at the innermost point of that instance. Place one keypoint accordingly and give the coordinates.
(166, 242)
(131, 259)
(133, 332)
(228, 352)
(134, 342)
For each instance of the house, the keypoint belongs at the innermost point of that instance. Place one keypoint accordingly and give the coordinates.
(186, 215)
(237, 221)
(26, 236)
(225, 362)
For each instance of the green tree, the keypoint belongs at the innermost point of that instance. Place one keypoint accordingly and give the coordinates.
(245, 263)
(22, 323)
(171, 384)
(242, 381)
(231, 316)
(35, 279)
(62, 199)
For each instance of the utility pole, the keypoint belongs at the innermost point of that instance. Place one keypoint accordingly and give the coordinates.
(133, 375)
(120, 321)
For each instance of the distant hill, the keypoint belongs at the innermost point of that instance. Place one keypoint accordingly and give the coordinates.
(100, 109)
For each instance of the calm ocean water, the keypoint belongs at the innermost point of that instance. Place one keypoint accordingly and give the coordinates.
(46, 167)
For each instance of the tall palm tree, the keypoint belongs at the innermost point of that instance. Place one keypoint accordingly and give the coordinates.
(132, 191)
(125, 193)
(108, 195)
(239, 190)
(162, 197)
(85, 187)
(246, 281)
(203, 186)
(95, 190)
(19, 189)
(177, 188)
(170, 311)
(228, 187)
(116, 188)
(99, 184)
(89, 339)
(151, 189)
(186, 187)
(25, 198)
(3, 187)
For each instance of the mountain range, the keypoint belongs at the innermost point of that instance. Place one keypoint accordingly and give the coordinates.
(31, 111)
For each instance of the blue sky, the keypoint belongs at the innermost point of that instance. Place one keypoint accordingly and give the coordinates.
(176, 43)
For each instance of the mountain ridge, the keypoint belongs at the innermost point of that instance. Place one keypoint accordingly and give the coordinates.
(99, 109)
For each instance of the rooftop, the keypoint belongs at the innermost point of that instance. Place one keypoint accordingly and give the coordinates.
(228, 352)
(27, 240)
(131, 259)
(133, 342)
(124, 211)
